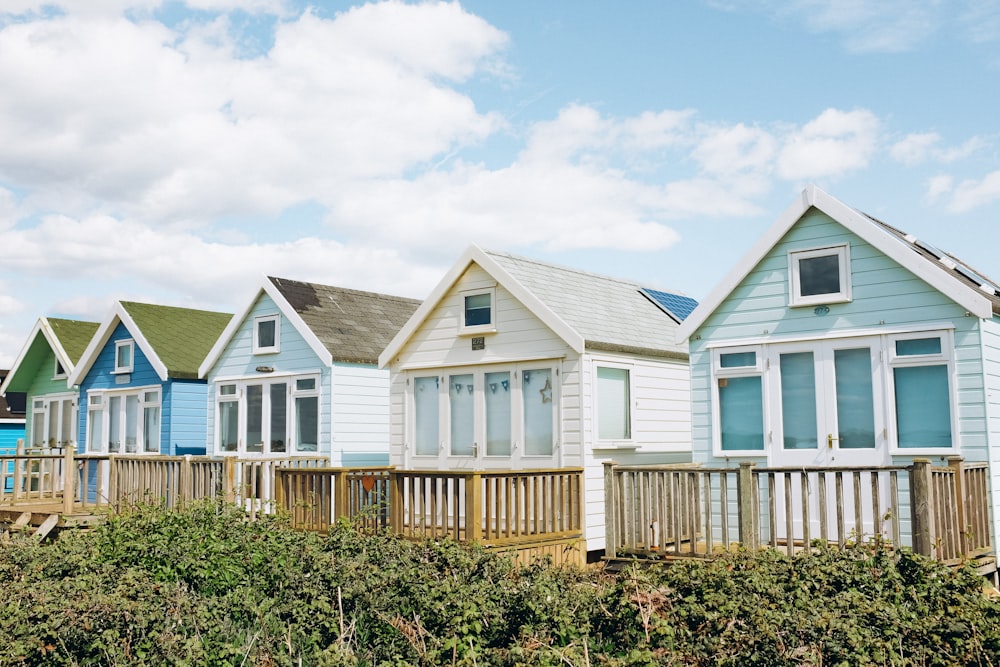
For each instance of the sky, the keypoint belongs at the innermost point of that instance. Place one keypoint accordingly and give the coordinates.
(177, 152)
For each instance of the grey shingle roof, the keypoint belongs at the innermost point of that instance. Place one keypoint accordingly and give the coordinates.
(354, 326)
(610, 313)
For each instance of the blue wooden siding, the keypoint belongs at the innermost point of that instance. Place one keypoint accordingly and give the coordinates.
(295, 356)
(9, 435)
(884, 294)
(184, 417)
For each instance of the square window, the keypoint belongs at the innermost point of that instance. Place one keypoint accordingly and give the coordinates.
(266, 334)
(123, 356)
(819, 276)
(478, 312)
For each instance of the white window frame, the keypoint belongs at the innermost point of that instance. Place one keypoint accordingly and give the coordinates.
(517, 457)
(270, 349)
(97, 402)
(719, 373)
(291, 393)
(41, 413)
(945, 358)
(119, 345)
(843, 254)
(491, 326)
(58, 372)
(605, 443)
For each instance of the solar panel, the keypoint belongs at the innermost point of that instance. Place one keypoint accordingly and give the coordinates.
(675, 304)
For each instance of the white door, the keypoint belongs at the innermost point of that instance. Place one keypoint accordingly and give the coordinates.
(828, 416)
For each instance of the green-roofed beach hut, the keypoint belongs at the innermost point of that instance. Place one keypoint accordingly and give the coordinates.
(41, 371)
(138, 379)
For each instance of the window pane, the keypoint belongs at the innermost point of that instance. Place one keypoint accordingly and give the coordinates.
(67, 423)
(613, 404)
(738, 359)
(151, 429)
(819, 275)
(307, 423)
(462, 418)
(918, 346)
(114, 424)
(536, 395)
(798, 401)
(741, 413)
(53, 424)
(131, 423)
(255, 418)
(425, 403)
(279, 413)
(227, 390)
(855, 398)
(265, 333)
(123, 356)
(306, 384)
(923, 408)
(477, 309)
(498, 414)
(95, 430)
(229, 424)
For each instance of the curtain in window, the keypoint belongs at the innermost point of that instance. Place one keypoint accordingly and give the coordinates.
(255, 418)
(613, 404)
(741, 413)
(114, 424)
(279, 413)
(498, 414)
(307, 423)
(537, 399)
(460, 397)
(425, 403)
(229, 424)
(131, 423)
(151, 428)
(923, 408)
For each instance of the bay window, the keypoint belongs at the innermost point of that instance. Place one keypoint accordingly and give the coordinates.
(252, 415)
(124, 422)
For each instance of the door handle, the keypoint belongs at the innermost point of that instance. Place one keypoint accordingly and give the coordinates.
(830, 439)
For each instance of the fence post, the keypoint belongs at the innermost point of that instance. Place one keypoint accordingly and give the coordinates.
(341, 495)
(922, 500)
(611, 501)
(396, 502)
(748, 509)
(474, 507)
(19, 469)
(185, 486)
(957, 464)
(229, 479)
(69, 477)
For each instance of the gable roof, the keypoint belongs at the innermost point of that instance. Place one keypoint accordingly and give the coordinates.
(588, 311)
(66, 338)
(174, 340)
(890, 241)
(339, 324)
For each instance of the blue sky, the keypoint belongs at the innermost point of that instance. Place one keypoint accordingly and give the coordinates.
(174, 152)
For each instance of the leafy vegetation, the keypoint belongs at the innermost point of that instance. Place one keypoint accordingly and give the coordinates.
(206, 586)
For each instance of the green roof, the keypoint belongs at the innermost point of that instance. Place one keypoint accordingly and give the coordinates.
(180, 337)
(73, 335)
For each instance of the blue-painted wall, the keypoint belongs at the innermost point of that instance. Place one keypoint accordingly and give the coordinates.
(9, 435)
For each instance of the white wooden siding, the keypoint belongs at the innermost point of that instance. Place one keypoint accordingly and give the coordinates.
(991, 356)
(360, 413)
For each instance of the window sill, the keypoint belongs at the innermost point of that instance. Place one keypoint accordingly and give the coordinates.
(811, 303)
(477, 331)
(121, 371)
(607, 444)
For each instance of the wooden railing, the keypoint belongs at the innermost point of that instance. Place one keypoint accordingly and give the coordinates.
(696, 511)
(316, 497)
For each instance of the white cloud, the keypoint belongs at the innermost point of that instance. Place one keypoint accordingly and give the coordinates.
(834, 143)
(915, 148)
(938, 186)
(728, 150)
(971, 194)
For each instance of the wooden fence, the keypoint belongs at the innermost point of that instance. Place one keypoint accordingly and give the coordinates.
(941, 512)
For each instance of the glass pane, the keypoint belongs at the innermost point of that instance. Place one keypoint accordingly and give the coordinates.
(741, 413)
(307, 423)
(798, 401)
(95, 430)
(923, 408)
(151, 429)
(255, 418)
(229, 424)
(612, 404)
(425, 404)
(536, 395)
(498, 414)
(51, 439)
(738, 359)
(477, 309)
(151, 397)
(265, 333)
(306, 384)
(279, 412)
(131, 423)
(855, 398)
(124, 356)
(460, 397)
(227, 390)
(114, 424)
(819, 275)
(38, 426)
(918, 346)
(67, 423)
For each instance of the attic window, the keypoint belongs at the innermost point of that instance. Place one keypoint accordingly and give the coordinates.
(124, 360)
(819, 276)
(478, 311)
(59, 372)
(266, 334)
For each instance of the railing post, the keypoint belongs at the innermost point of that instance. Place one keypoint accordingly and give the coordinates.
(957, 464)
(748, 510)
(922, 501)
(396, 502)
(19, 465)
(341, 496)
(611, 501)
(185, 486)
(474, 507)
(280, 480)
(69, 477)
(229, 479)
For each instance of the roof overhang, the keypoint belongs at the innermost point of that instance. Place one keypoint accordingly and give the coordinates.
(117, 315)
(41, 328)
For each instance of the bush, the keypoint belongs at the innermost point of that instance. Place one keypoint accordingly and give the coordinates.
(205, 585)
